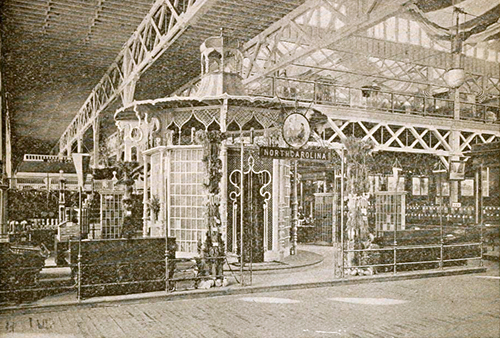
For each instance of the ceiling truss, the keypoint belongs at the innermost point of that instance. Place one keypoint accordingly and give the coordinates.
(313, 26)
(164, 22)
(406, 138)
(303, 33)
(333, 28)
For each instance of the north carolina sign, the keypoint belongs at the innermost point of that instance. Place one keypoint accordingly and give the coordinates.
(295, 154)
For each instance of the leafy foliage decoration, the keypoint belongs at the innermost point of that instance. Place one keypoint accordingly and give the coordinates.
(211, 142)
(154, 207)
(131, 222)
(358, 158)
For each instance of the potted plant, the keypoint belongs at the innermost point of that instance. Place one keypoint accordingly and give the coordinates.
(154, 208)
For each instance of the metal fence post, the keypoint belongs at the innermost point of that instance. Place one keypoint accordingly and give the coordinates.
(481, 215)
(80, 220)
(242, 200)
(395, 201)
(167, 281)
(395, 253)
(441, 265)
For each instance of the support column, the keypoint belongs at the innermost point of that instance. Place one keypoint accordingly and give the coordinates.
(455, 146)
(276, 205)
(223, 192)
(455, 134)
(167, 181)
(95, 130)
(223, 183)
(295, 210)
(61, 148)
(79, 145)
(128, 91)
(161, 191)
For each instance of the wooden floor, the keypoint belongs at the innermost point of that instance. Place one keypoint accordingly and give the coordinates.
(453, 306)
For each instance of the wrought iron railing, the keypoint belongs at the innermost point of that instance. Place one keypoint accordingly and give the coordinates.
(392, 258)
(366, 98)
(439, 261)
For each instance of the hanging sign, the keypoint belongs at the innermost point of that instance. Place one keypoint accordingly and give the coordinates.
(296, 154)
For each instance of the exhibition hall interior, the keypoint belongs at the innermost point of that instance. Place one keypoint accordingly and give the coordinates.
(177, 145)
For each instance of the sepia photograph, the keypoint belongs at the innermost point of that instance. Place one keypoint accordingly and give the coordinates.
(249, 168)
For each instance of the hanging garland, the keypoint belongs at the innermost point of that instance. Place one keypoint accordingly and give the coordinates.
(211, 250)
(358, 155)
(211, 142)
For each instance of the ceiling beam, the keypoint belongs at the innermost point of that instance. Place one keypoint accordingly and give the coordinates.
(252, 4)
(130, 8)
(316, 37)
(375, 75)
(132, 3)
(249, 10)
(42, 4)
(24, 11)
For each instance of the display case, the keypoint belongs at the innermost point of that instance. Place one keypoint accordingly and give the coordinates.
(390, 211)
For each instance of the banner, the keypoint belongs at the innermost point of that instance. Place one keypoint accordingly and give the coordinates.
(81, 162)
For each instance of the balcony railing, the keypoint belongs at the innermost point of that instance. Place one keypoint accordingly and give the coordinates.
(365, 98)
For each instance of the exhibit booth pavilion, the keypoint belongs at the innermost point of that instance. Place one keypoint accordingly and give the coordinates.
(162, 134)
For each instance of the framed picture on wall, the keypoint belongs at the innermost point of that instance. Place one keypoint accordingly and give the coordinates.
(457, 170)
(415, 186)
(485, 182)
(424, 186)
(467, 187)
(296, 130)
(445, 188)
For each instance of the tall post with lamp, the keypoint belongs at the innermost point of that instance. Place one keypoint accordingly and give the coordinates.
(455, 78)
(439, 170)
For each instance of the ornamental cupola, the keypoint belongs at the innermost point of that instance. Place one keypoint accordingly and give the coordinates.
(221, 65)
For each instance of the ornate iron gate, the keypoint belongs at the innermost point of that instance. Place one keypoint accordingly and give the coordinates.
(254, 204)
